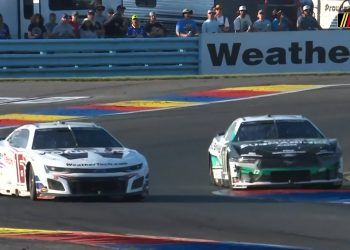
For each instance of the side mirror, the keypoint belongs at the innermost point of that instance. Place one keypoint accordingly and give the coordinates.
(220, 134)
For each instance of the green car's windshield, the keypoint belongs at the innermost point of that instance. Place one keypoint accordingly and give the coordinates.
(281, 129)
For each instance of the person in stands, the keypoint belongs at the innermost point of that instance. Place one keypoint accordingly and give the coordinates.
(261, 24)
(186, 27)
(64, 30)
(4, 29)
(224, 22)
(302, 4)
(135, 29)
(91, 15)
(51, 24)
(280, 21)
(242, 23)
(36, 28)
(87, 29)
(100, 18)
(110, 13)
(74, 21)
(117, 24)
(306, 21)
(153, 28)
(211, 25)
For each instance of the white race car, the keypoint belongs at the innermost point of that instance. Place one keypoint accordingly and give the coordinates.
(48, 160)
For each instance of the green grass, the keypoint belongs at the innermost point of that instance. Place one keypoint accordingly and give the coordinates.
(173, 77)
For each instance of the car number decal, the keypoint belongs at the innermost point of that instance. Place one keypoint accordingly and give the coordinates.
(20, 166)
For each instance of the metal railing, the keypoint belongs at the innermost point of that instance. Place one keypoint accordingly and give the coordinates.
(99, 57)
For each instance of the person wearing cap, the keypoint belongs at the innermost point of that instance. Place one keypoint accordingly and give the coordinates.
(121, 8)
(224, 22)
(51, 24)
(261, 24)
(302, 3)
(280, 21)
(75, 23)
(99, 16)
(306, 21)
(36, 28)
(4, 29)
(135, 29)
(91, 15)
(110, 13)
(117, 24)
(64, 30)
(186, 27)
(242, 23)
(87, 29)
(154, 28)
(211, 25)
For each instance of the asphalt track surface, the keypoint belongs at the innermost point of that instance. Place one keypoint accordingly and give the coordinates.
(175, 142)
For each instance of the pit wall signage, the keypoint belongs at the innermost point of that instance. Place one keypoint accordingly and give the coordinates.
(275, 52)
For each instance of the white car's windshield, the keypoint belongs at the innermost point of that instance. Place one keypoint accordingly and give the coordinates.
(73, 138)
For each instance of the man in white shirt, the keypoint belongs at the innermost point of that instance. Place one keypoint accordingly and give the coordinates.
(242, 23)
(224, 23)
(210, 25)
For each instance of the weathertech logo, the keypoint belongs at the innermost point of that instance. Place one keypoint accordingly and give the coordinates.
(344, 20)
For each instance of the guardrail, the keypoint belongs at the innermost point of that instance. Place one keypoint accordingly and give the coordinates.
(99, 57)
(224, 53)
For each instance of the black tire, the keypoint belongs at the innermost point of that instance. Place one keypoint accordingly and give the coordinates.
(32, 185)
(229, 182)
(211, 175)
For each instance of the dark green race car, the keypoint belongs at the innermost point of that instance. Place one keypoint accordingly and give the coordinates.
(274, 150)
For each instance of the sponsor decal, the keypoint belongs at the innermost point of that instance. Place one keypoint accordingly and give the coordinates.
(286, 143)
(331, 8)
(344, 20)
(295, 54)
(308, 51)
(106, 164)
(8, 160)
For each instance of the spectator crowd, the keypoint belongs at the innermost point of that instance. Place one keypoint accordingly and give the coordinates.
(102, 23)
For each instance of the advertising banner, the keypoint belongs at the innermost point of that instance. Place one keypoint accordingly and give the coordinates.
(275, 52)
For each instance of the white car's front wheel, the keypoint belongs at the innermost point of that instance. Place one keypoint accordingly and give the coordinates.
(32, 185)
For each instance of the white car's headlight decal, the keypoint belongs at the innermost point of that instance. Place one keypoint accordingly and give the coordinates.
(127, 169)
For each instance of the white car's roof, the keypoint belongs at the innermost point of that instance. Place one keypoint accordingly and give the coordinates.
(271, 118)
(59, 124)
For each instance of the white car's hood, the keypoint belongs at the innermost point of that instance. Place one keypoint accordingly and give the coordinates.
(90, 158)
